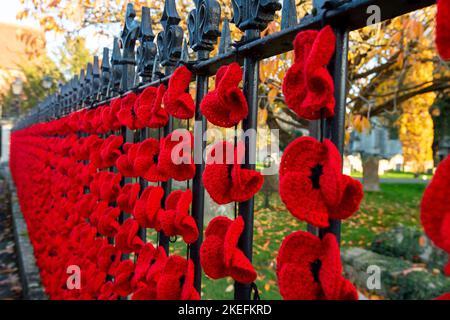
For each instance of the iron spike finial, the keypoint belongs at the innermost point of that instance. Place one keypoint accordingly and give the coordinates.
(116, 72)
(254, 14)
(147, 50)
(225, 37)
(203, 25)
(288, 14)
(171, 38)
(128, 39)
(105, 77)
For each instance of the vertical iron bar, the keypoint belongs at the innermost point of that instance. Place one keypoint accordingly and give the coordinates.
(198, 190)
(251, 80)
(336, 126)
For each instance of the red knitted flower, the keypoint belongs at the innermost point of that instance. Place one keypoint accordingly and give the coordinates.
(175, 160)
(226, 105)
(224, 179)
(127, 239)
(175, 219)
(122, 278)
(126, 114)
(128, 196)
(143, 263)
(219, 255)
(107, 255)
(104, 153)
(148, 108)
(147, 209)
(108, 224)
(310, 269)
(312, 185)
(106, 186)
(107, 292)
(177, 102)
(109, 115)
(176, 281)
(443, 28)
(308, 87)
(146, 163)
(435, 209)
(445, 296)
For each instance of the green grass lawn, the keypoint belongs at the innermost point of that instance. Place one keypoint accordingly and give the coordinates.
(395, 204)
(396, 175)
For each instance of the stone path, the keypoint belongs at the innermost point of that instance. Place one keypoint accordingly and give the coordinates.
(10, 287)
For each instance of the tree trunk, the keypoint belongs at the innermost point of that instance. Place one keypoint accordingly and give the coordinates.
(371, 179)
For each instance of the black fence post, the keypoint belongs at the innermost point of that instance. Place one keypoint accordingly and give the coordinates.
(251, 21)
(169, 49)
(203, 32)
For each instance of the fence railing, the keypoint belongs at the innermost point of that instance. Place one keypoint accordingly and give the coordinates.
(125, 69)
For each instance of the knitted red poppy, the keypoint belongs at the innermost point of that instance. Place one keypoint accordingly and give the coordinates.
(127, 239)
(175, 219)
(308, 87)
(177, 102)
(106, 257)
(149, 111)
(443, 28)
(445, 296)
(104, 153)
(435, 209)
(146, 161)
(226, 105)
(107, 292)
(310, 269)
(223, 177)
(147, 209)
(109, 115)
(219, 255)
(143, 262)
(312, 185)
(107, 224)
(126, 114)
(127, 197)
(176, 281)
(175, 160)
(122, 278)
(106, 186)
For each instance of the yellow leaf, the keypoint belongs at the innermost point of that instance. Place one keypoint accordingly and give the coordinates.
(272, 95)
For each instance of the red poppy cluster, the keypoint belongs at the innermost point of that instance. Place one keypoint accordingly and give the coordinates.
(309, 268)
(71, 200)
(435, 209)
(308, 87)
(443, 29)
(312, 184)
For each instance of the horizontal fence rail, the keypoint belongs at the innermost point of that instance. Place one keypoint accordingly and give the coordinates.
(140, 59)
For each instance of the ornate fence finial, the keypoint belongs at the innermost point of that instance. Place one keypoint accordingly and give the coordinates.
(170, 39)
(128, 39)
(184, 52)
(81, 81)
(106, 69)
(203, 25)
(288, 14)
(116, 72)
(156, 71)
(147, 50)
(95, 80)
(254, 14)
(74, 94)
(225, 37)
(87, 87)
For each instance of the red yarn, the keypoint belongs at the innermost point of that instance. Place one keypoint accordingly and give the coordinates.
(175, 219)
(435, 209)
(308, 87)
(223, 177)
(226, 105)
(176, 281)
(443, 29)
(106, 186)
(148, 108)
(312, 185)
(126, 114)
(110, 115)
(177, 102)
(175, 160)
(219, 255)
(128, 196)
(127, 239)
(147, 209)
(445, 296)
(309, 268)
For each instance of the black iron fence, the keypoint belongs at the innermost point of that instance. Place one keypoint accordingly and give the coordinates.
(125, 69)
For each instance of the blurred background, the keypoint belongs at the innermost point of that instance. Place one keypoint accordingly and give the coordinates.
(397, 125)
